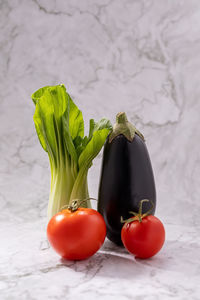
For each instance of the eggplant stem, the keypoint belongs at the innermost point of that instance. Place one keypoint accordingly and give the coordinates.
(124, 127)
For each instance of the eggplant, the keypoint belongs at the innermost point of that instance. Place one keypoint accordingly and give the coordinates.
(126, 177)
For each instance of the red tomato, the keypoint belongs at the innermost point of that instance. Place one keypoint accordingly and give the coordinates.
(76, 235)
(143, 239)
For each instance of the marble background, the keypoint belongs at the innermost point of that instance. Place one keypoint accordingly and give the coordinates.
(142, 57)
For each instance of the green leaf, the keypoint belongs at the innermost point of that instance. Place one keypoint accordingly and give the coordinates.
(39, 126)
(103, 123)
(57, 120)
(67, 139)
(80, 144)
(76, 123)
(51, 105)
(99, 133)
(38, 94)
(91, 130)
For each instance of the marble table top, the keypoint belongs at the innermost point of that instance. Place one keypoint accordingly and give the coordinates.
(32, 270)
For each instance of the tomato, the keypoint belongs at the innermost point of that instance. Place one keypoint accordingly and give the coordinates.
(143, 239)
(78, 234)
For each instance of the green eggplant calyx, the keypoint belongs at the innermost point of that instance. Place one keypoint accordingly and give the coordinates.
(121, 118)
(138, 216)
(123, 126)
(75, 204)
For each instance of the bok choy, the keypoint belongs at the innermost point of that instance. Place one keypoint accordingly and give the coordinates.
(60, 128)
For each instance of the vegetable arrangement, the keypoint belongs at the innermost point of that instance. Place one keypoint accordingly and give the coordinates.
(75, 230)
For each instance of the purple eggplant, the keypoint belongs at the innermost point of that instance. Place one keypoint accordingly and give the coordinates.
(126, 177)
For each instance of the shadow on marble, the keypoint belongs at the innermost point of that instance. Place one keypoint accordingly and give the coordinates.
(104, 265)
(110, 258)
(116, 263)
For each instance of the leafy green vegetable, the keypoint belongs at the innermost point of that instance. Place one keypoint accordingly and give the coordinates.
(60, 129)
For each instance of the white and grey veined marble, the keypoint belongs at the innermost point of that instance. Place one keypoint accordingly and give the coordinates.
(142, 57)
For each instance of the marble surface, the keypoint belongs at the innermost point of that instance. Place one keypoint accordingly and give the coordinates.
(141, 57)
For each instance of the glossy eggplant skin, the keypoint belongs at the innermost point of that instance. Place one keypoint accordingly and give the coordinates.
(126, 178)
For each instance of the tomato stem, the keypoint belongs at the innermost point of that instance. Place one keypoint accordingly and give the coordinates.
(138, 216)
(76, 203)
